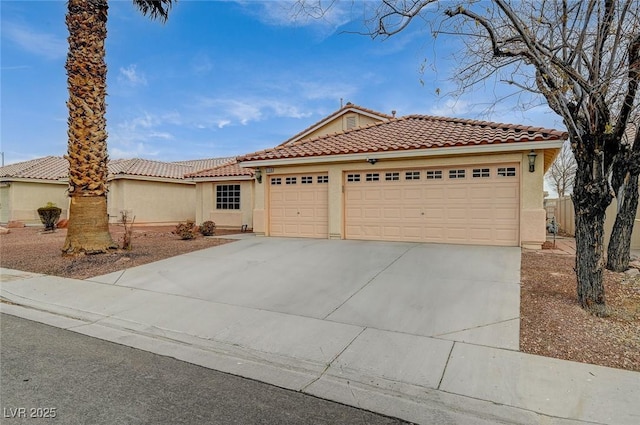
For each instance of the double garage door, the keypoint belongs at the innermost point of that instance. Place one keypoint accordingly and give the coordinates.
(467, 205)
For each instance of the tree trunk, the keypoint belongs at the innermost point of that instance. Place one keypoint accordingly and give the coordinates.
(87, 144)
(619, 249)
(591, 197)
(589, 263)
(88, 212)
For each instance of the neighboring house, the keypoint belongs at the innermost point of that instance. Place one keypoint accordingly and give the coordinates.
(154, 192)
(414, 178)
(29, 185)
(224, 195)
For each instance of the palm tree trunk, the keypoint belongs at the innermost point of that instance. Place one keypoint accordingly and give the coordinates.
(88, 230)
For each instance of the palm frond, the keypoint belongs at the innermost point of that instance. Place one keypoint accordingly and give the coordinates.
(156, 9)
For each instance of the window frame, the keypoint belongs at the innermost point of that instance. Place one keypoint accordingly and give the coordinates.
(228, 196)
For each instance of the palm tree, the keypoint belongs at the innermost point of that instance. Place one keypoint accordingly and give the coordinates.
(88, 229)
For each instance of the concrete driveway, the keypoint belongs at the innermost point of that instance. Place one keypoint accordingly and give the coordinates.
(456, 292)
(426, 333)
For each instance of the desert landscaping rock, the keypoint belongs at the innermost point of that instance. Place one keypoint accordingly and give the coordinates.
(4, 231)
(632, 272)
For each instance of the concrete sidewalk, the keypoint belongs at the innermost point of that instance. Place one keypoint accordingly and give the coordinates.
(423, 379)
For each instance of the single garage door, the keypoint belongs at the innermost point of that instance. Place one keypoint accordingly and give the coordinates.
(298, 205)
(466, 205)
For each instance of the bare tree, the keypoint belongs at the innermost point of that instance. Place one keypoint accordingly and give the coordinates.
(563, 171)
(582, 56)
(625, 185)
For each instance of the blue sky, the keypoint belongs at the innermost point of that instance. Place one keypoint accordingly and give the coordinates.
(223, 78)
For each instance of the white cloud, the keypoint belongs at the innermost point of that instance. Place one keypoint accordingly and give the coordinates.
(131, 76)
(201, 64)
(324, 19)
(214, 112)
(321, 90)
(137, 150)
(136, 136)
(451, 108)
(49, 46)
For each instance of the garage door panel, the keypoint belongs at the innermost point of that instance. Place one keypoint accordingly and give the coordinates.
(471, 210)
(433, 194)
(392, 213)
(372, 213)
(298, 210)
(392, 195)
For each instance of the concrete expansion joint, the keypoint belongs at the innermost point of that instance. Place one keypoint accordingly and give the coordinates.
(476, 327)
(446, 364)
(330, 363)
(370, 280)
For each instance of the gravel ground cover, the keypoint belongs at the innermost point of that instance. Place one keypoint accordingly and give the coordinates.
(552, 323)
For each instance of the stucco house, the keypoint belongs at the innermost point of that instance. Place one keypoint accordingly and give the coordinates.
(413, 178)
(225, 194)
(154, 192)
(29, 185)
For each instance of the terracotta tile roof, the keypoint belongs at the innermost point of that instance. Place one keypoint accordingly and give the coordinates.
(56, 168)
(230, 169)
(409, 133)
(205, 164)
(148, 168)
(346, 108)
(46, 168)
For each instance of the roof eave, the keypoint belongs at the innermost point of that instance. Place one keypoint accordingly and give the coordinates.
(220, 179)
(413, 153)
(149, 178)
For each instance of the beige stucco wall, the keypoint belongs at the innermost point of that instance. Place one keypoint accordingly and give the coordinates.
(151, 202)
(532, 220)
(340, 124)
(206, 205)
(20, 200)
(533, 216)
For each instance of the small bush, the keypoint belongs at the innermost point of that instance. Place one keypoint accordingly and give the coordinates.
(208, 228)
(49, 216)
(127, 222)
(186, 230)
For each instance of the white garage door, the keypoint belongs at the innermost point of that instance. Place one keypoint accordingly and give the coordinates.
(298, 205)
(467, 205)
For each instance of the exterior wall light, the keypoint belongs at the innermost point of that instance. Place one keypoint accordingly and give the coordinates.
(532, 160)
(372, 161)
(258, 175)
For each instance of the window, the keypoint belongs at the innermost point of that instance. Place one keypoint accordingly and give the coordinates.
(456, 174)
(290, 180)
(306, 180)
(412, 175)
(228, 197)
(373, 177)
(434, 174)
(276, 180)
(353, 177)
(506, 171)
(481, 172)
(392, 176)
(323, 179)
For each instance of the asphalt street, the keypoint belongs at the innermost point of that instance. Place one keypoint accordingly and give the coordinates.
(50, 375)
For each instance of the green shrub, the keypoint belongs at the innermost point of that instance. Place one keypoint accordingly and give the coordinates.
(49, 216)
(186, 230)
(208, 228)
